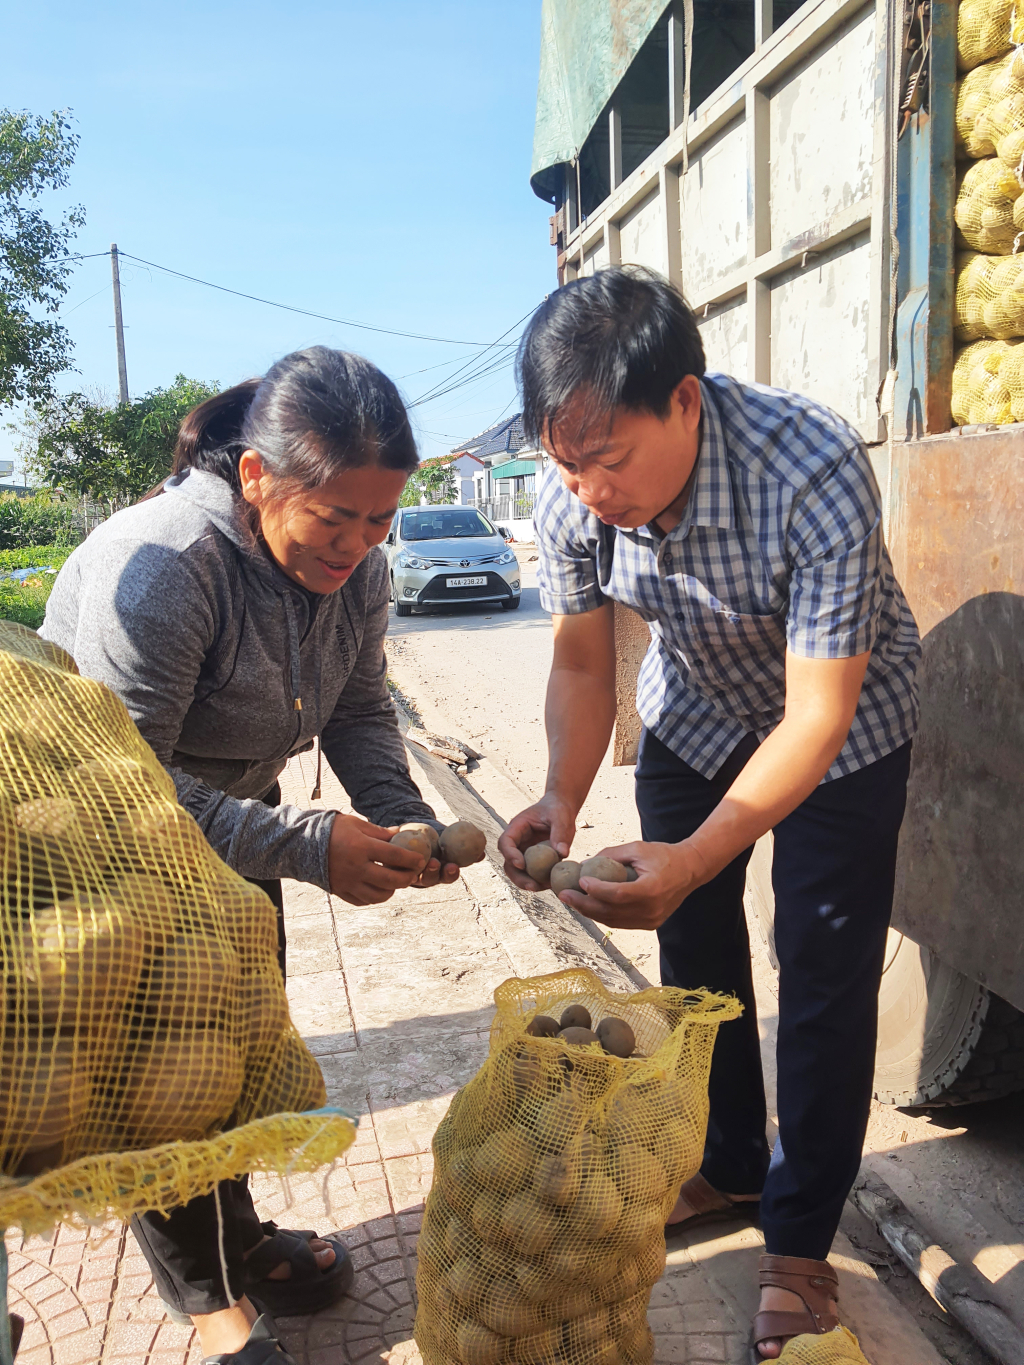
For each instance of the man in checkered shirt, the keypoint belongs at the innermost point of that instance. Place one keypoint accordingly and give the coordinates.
(744, 525)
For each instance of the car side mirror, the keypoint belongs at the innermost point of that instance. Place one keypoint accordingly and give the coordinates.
(390, 540)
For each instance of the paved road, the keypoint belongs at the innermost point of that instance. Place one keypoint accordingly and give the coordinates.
(481, 674)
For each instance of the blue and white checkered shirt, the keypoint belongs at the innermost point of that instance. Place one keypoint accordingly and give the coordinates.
(780, 546)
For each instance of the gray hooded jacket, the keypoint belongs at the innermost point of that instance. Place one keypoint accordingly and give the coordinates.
(210, 646)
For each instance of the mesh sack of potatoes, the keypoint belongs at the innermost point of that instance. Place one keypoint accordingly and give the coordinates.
(999, 124)
(989, 297)
(986, 200)
(973, 100)
(839, 1347)
(554, 1171)
(986, 29)
(143, 1003)
(981, 377)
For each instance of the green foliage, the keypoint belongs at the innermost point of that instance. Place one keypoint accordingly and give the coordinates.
(31, 557)
(112, 455)
(25, 602)
(40, 520)
(433, 480)
(36, 155)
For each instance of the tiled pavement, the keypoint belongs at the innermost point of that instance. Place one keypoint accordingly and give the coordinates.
(395, 1001)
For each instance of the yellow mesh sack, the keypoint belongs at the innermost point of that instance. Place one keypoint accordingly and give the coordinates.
(989, 297)
(986, 197)
(1000, 121)
(981, 392)
(986, 29)
(973, 100)
(1011, 378)
(554, 1171)
(143, 1003)
(839, 1347)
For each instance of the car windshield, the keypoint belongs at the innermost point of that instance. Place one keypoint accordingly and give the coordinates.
(455, 523)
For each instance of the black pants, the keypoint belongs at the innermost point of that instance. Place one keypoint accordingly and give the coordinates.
(833, 875)
(183, 1247)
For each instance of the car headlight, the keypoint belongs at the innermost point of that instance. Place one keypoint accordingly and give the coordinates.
(507, 557)
(408, 561)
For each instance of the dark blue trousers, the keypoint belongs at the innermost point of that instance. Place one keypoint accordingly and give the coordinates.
(833, 874)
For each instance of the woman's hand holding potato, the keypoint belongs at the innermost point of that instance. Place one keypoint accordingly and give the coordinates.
(364, 867)
(551, 820)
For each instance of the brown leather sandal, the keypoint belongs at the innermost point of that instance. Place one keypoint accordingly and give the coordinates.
(813, 1281)
(710, 1206)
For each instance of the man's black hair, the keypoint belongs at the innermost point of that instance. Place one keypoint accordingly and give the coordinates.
(622, 338)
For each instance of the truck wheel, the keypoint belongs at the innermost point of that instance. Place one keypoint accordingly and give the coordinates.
(942, 1038)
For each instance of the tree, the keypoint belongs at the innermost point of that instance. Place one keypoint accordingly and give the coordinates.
(112, 455)
(433, 480)
(36, 154)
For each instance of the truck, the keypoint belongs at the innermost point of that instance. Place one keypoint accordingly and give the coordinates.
(793, 168)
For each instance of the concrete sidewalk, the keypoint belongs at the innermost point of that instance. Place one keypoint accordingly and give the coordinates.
(396, 1000)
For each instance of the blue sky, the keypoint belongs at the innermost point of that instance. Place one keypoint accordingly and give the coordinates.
(365, 161)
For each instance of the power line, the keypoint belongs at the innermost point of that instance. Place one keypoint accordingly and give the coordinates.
(304, 312)
(439, 389)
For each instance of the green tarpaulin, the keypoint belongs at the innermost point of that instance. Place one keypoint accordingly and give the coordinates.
(586, 47)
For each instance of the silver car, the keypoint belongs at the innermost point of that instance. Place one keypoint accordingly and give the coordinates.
(439, 556)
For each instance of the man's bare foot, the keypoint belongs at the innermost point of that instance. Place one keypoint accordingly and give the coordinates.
(777, 1301)
(323, 1251)
(684, 1210)
(227, 1331)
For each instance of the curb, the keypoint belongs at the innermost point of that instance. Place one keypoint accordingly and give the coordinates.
(959, 1289)
(540, 933)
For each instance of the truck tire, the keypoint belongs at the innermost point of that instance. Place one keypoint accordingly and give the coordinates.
(942, 1038)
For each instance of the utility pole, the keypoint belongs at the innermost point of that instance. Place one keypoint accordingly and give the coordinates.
(122, 369)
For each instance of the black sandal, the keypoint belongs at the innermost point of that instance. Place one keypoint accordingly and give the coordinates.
(308, 1288)
(261, 1348)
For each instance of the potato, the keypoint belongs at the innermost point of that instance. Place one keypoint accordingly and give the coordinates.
(556, 1179)
(540, 859)
(505, 1310)
(637, 1341)
(565, 876)
(430, 1248)
(478, 1345)
(149, 903)
(605, 1353)
(46, 1087)
(467, 1280)
(639, 1176)
(603, 869)
(577, 1037)
(638, 1225)
(486, 1216)
(193, 983)
(163, 840)
(74, 964)
(588, 1329)
(462, 843)
(414, 841)
(540, 1348)
(597, 1209)
(616, 1036)
(570, 1261)
(535, 1282)
(459, 1240)
(559, 1120)
(112, 787)
(179, 1086)
(458, 1183)
(575, 1016)
(493, 1259)
(632, 875)
(623, 1285)
(429, 833)
(264, 1008)
(650, 1263)
(528, 1225)
(576, 1304)
(505, 1160)
(542, 1026)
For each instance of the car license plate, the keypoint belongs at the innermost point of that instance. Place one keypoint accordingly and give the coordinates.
(479, 581)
